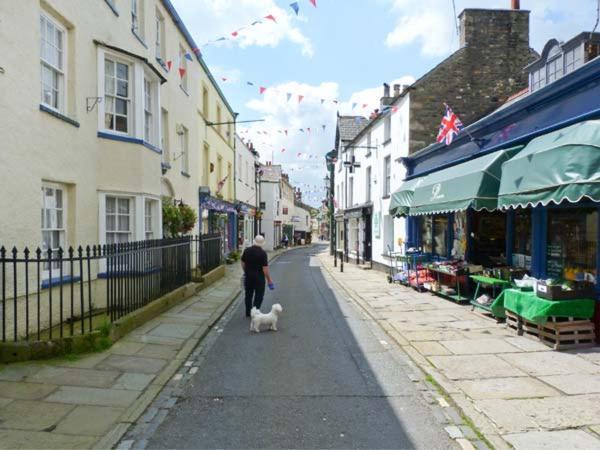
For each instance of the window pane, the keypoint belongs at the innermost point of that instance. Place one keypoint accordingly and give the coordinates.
(110, 222)
(109, 85)
(46, 240)
(56, 241)
(121, 124)
(109, 68)
(122, 71)
(122, 88)
(123, 223)
(123, 206)
(59, 219)
(110, 205)
(108, 121)
(121, 106)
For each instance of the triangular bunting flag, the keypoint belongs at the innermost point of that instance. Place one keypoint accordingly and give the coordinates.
(221, 39)
(271, 17)
(365, 105)
(354, 105)
(289, 96)
(394, 109)
(335, 101)
(313, 2)
(295, 7)
(249, 83)
(299, 155)
(188, 57)
(285, 132)
(235, 34)
(301, 130)
(324, 126)
(224, 78)
(181, 72)
(256, 22)
(169, 65)
(308, 130)
(300, 97)
(322, 101)
(282, 150)
(262, 89)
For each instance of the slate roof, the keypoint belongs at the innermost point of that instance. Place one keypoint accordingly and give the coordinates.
(350, 126)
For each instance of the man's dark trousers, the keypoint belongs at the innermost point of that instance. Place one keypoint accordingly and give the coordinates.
(255, 287)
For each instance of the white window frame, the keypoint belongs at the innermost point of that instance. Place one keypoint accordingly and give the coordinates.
(387, 175)
(184, 143)
(137, 18)
(150, 218)
(368, 176)
(62, 230)
(164, 136)
(130, 232)
(387, 128)
(183, 81)
(59, 71)
(129, 100)
(160, 43)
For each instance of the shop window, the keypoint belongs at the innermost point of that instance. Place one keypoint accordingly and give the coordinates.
(572, 244)
(521, 244)
(426, 225)
(459, 244)
(440, 235)
(488, 237)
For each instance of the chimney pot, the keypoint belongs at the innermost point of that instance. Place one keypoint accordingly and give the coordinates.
(516, 4)
(396, 90)
(386, 90)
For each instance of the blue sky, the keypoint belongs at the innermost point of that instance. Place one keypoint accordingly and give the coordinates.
(343, 49)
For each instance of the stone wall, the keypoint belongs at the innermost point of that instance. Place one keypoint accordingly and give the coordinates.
(476, 79)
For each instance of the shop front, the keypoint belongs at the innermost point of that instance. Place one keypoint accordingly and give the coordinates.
(219, 216)
(245, 227)
(359, 233)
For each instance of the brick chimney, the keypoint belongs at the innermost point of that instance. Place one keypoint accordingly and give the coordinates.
(515, 4)
(386, 99)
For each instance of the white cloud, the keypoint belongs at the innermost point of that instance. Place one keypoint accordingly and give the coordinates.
(431, 23)
(211, 19)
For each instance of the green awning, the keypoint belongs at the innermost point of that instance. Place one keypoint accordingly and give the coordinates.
(562, 165)
(402, 198)
(472, 184)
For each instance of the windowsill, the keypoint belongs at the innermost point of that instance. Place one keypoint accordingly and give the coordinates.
(184, 90)
(129, 139)
(165, 166)
(387, 141)
(58, 281)
(112, 7)
(385, 197)
(185, 174)
(368, 154)
(139, 38)
(58, 115)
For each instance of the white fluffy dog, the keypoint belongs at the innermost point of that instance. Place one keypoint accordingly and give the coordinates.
(270, 319)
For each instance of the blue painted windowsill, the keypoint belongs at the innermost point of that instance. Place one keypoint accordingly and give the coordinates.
(139, 38)
(129, 139)
(185, 174)
(57, 281)
(58, 115)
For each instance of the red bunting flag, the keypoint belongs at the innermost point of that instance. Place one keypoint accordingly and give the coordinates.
(169, 65)
(299, 155)
(286, 132)
(365, 105)
(181, 72)
(235, 34)
(224, 78)
(314, 3)
(394, 109)
(262, 89)
(282, 150)
(300, 97)
(271, 17)
(308, 130)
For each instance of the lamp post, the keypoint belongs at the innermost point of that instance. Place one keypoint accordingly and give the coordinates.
(331, 159)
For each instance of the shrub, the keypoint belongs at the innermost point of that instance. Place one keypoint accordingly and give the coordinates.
(177, 219)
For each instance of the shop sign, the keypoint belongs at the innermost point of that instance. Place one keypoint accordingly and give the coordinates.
(376, 224)
(436, 192)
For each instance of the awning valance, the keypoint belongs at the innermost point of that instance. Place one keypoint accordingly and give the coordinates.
(472, 184)
(562, 165)
(402, 198)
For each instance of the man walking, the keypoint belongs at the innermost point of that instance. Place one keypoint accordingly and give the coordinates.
(255, 264)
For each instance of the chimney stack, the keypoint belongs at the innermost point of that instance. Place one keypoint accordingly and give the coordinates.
(386, 90)
(396, 90)
(386, 99)
(515, 4)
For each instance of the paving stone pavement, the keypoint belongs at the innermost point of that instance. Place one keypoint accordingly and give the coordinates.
(91, 401)
(517, 391)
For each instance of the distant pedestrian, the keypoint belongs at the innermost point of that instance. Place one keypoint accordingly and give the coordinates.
(255, 264)
(285, 240)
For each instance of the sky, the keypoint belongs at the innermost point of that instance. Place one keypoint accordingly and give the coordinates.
(340, 50)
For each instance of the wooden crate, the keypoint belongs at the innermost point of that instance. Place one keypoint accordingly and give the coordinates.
(558, 333)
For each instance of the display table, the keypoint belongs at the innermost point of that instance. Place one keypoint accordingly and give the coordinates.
(537, 310)
(495, 283)
(458, 277)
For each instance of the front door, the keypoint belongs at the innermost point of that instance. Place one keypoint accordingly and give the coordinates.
(367, 252)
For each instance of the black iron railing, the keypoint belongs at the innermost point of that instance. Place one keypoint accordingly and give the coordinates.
(57, 293)
(209, 252)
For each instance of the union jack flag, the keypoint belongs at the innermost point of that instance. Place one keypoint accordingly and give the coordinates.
(221, 184)
(450, 126)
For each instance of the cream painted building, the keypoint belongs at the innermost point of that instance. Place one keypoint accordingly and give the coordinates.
(104, 109)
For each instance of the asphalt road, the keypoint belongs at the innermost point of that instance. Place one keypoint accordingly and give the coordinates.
(326, 379)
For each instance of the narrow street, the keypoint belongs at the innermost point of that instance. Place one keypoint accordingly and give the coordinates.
(327, 379)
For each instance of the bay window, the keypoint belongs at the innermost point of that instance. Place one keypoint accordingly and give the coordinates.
(117, 100)
(53, 64)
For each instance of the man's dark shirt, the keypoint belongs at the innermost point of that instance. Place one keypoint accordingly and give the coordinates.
(254, 258)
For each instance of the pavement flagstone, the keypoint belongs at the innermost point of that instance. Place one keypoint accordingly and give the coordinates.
(518, 391)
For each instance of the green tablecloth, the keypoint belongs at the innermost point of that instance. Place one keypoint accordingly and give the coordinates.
(489, 280)
(537, 310)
